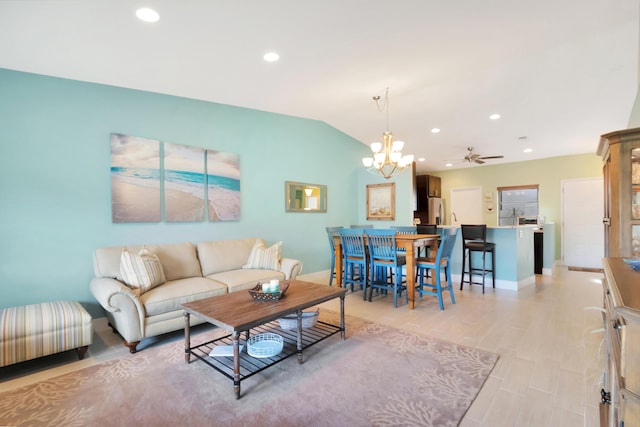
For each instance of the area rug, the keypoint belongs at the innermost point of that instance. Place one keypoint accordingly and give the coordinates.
(378, 376)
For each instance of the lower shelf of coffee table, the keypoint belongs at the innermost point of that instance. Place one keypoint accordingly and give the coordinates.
(251, 365)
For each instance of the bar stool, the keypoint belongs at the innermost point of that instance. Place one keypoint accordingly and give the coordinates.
(474, 239)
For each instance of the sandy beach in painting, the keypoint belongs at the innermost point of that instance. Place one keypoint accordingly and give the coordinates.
(184, 207)
(134, 203)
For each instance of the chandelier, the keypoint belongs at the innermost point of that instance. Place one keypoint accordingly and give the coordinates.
(387, 157)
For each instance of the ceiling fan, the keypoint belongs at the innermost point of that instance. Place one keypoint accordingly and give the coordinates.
(471, 157)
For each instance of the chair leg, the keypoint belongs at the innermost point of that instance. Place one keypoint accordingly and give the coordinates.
(484, 260)
(332, 271)
(493, 268)
(439, 288)
(447, 270)
(464, 257)
(364, 282)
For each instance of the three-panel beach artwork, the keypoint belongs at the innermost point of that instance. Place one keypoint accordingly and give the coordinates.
(153, 181)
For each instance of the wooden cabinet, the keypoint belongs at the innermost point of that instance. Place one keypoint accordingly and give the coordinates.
(425, 186)
(620, 152)
(620, 405)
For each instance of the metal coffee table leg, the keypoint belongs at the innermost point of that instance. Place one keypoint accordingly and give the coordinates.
(299, 343)
(236, 363)
(342, 317)
(187, 339)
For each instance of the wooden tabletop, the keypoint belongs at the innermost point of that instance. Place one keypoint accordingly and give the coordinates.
(626, 284)
(238, 311)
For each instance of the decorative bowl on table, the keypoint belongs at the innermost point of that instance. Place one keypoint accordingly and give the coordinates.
(257, 294)
(290, 321)
(265, 345)
(634, 263)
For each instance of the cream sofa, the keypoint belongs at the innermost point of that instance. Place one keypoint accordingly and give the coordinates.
(192, 271)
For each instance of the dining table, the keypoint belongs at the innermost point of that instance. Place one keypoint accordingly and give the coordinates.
(410, 243)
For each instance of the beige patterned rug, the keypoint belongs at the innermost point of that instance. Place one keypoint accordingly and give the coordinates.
(378, 376)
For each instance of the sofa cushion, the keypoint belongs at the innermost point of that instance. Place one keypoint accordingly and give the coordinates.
(141, 271)
(264, 258)
(178, 260)
(168, 296)
(237, 280)
(224, 255)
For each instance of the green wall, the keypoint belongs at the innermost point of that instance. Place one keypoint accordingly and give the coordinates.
(547, 173)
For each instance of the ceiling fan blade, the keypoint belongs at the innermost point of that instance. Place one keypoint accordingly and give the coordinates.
(491, 157)
(478, 161)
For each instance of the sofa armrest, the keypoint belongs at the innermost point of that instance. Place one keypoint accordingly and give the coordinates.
(124, 305)
(290, 267)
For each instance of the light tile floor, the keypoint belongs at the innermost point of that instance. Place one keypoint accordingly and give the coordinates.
(550, 345)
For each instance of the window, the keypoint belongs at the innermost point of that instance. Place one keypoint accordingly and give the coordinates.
(520, 200)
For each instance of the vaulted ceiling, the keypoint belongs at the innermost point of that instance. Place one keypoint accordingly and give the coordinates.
(559, 72)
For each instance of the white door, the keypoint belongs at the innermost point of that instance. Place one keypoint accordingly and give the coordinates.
(582, 230)
(466, 206)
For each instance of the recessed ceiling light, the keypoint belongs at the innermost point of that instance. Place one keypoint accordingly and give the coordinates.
(449, 165)
(494, 116)
(421, 159)
(271, 57)
(147, 15)
(527, 150)
(435, 130)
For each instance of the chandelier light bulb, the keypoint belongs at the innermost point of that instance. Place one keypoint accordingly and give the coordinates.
(376, 147)
(367, 162)
(397, 146)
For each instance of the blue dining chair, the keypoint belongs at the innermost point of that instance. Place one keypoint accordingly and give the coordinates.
(332, 232)
(354, 258)
(441, 261)
(384, 256)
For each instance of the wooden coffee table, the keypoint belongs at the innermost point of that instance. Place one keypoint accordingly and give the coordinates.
(238, 312)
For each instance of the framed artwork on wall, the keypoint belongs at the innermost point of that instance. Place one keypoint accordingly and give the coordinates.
(381, 202)
(198, 183)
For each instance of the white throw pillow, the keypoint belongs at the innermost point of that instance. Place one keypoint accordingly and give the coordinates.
(265, 258)
(141, 272)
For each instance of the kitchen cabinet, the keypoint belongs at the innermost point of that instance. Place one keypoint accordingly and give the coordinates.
(426, 186)
(620, 151)
(620, 396)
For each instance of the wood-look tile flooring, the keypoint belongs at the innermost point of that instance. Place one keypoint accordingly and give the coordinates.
(549, 340)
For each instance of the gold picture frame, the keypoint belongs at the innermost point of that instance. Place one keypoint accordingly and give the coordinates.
(381, 202)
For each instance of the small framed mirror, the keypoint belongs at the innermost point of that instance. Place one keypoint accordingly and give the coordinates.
(303, 197)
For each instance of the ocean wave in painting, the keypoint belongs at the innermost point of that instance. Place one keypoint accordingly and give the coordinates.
(224, 195)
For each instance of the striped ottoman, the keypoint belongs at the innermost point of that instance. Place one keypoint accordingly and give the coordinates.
(37, 330)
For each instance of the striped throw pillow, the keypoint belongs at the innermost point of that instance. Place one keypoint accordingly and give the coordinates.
(265, 258)
(141, 272)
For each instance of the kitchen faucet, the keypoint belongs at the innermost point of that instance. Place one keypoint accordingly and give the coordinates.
(455, 218)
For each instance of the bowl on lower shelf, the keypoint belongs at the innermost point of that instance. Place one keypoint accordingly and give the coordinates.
(265, 345)
(634, 263)
(309, 319)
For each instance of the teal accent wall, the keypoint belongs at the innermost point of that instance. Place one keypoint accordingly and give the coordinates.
(55, 194)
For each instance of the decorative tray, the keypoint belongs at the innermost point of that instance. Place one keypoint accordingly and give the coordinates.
(257, 294)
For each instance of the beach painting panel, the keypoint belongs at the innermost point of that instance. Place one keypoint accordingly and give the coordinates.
(223, 185)
(184, 191)
(135, 179)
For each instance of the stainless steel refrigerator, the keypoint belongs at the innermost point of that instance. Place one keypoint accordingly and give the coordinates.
(436, 210)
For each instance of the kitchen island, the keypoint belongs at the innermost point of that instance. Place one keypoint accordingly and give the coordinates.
(514, 257)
